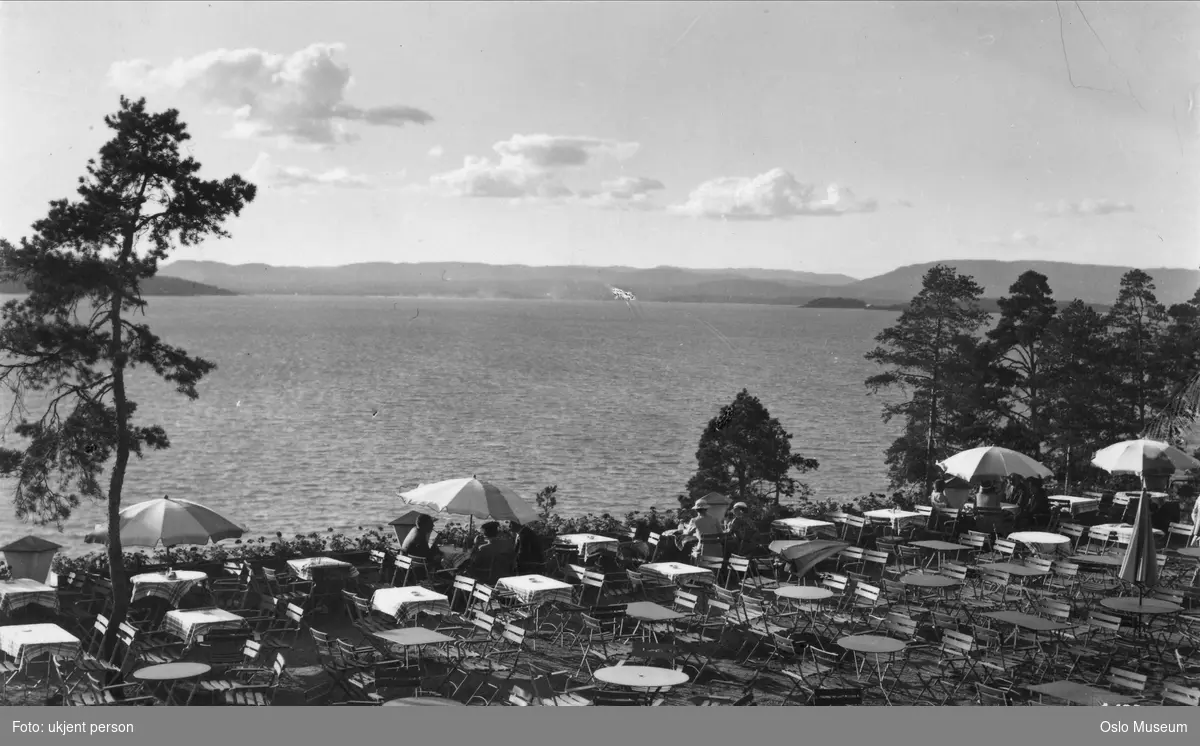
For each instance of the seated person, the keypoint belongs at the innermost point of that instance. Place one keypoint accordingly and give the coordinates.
(493, 556)
(740, 531)
(420, 542)
(938, 497)
(957, 493)
(528, 549)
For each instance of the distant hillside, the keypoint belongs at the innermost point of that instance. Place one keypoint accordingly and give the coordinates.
(1097, 285)
(159, 285)
(1089, 282)
(459, 280)
(991, 305)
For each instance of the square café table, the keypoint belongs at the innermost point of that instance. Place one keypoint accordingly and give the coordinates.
(587, 545)
(1075, 505)
(22, 592)
(407, 600)
(171, 587)
(799, 526)
(680, 573)
(412, 637)
(536, 589)
(190, 623)
(24, 643)
(895, 517)
(308, 566)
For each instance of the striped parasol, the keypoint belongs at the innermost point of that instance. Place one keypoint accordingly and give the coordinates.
(170, 522)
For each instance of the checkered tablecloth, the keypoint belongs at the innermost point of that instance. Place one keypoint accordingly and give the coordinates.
(406, 601)
(161, 585)
(1122, 532)
(305, 568)
(187, 624)
(799, 526)
(679, 573)
(22, 592)
(25, 642)
(1076, 505)
(536, 589)
(588, 545)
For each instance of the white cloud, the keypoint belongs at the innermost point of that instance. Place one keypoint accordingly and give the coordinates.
(296, 98)
(1017, 239)
(769, 196)
(624, 193)
(437, 151)
(1083, 208)
(266, 173)
(527, 167)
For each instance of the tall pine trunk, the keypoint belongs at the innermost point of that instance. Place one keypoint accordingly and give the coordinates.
(116, 552)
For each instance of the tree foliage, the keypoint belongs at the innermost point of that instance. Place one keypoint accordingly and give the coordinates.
(1017, 344)
(68, 346)
(746, 454)
(1136, 326)
(929, 351)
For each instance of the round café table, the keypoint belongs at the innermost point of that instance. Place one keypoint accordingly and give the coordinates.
(1140, 607)
(169, 675)
(808, 596)
(1193, 552)
(423, 702)
(929, 580)
(877, 647)
(1042, 542)
(641, 677)
(803, 592)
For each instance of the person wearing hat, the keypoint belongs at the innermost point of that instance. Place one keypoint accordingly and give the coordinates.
(739, 529)
(707, 532)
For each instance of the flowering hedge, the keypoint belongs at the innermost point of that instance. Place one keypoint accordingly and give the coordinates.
(550, 525)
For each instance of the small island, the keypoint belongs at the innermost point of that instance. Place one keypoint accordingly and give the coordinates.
(850, 303)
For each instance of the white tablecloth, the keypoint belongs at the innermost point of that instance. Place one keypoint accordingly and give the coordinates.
(531, 589)
(679, 573)
(407, 600)
(1077, 505)
(304, 567)
(161, 585)
(25, 642)
(1123, 498)
(896, 517)
(587, 545)
(22, 592)
(799, 526)
(186, 625)
(1122, 531)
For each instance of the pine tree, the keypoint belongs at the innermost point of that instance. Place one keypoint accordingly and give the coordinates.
(68, 346)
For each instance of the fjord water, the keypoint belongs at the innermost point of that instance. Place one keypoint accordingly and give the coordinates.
(604, 401)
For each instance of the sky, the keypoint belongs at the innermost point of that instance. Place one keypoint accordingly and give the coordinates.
(847, 137)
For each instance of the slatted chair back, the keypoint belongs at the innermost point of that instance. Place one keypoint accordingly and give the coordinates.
(685, 602)
(403, 570)
(1044, 565)
(574, 573)
(725, 595)
(482, 596)
(987, 538)
(857, 529)
(379, 558)
(1180, 695)
(951, 570)
(1064, 574)
(837, 585)
(1174, 597)
(484, 622)
(899, 626)
(738, 568)
(653, 541)
(908, 557)
(1183, 530)
(1052, 608)
(591, 579)
(657, 654)
(850, 556)
(957, 645)
(1073, 530)
(464, 587)
(1121, 679)
(992, 696)
(235, 568)
(994, 581)
(518, 696)
(875, 561)
(944, 621)
(866, 595)
(1005, 547)
(1103, 624)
